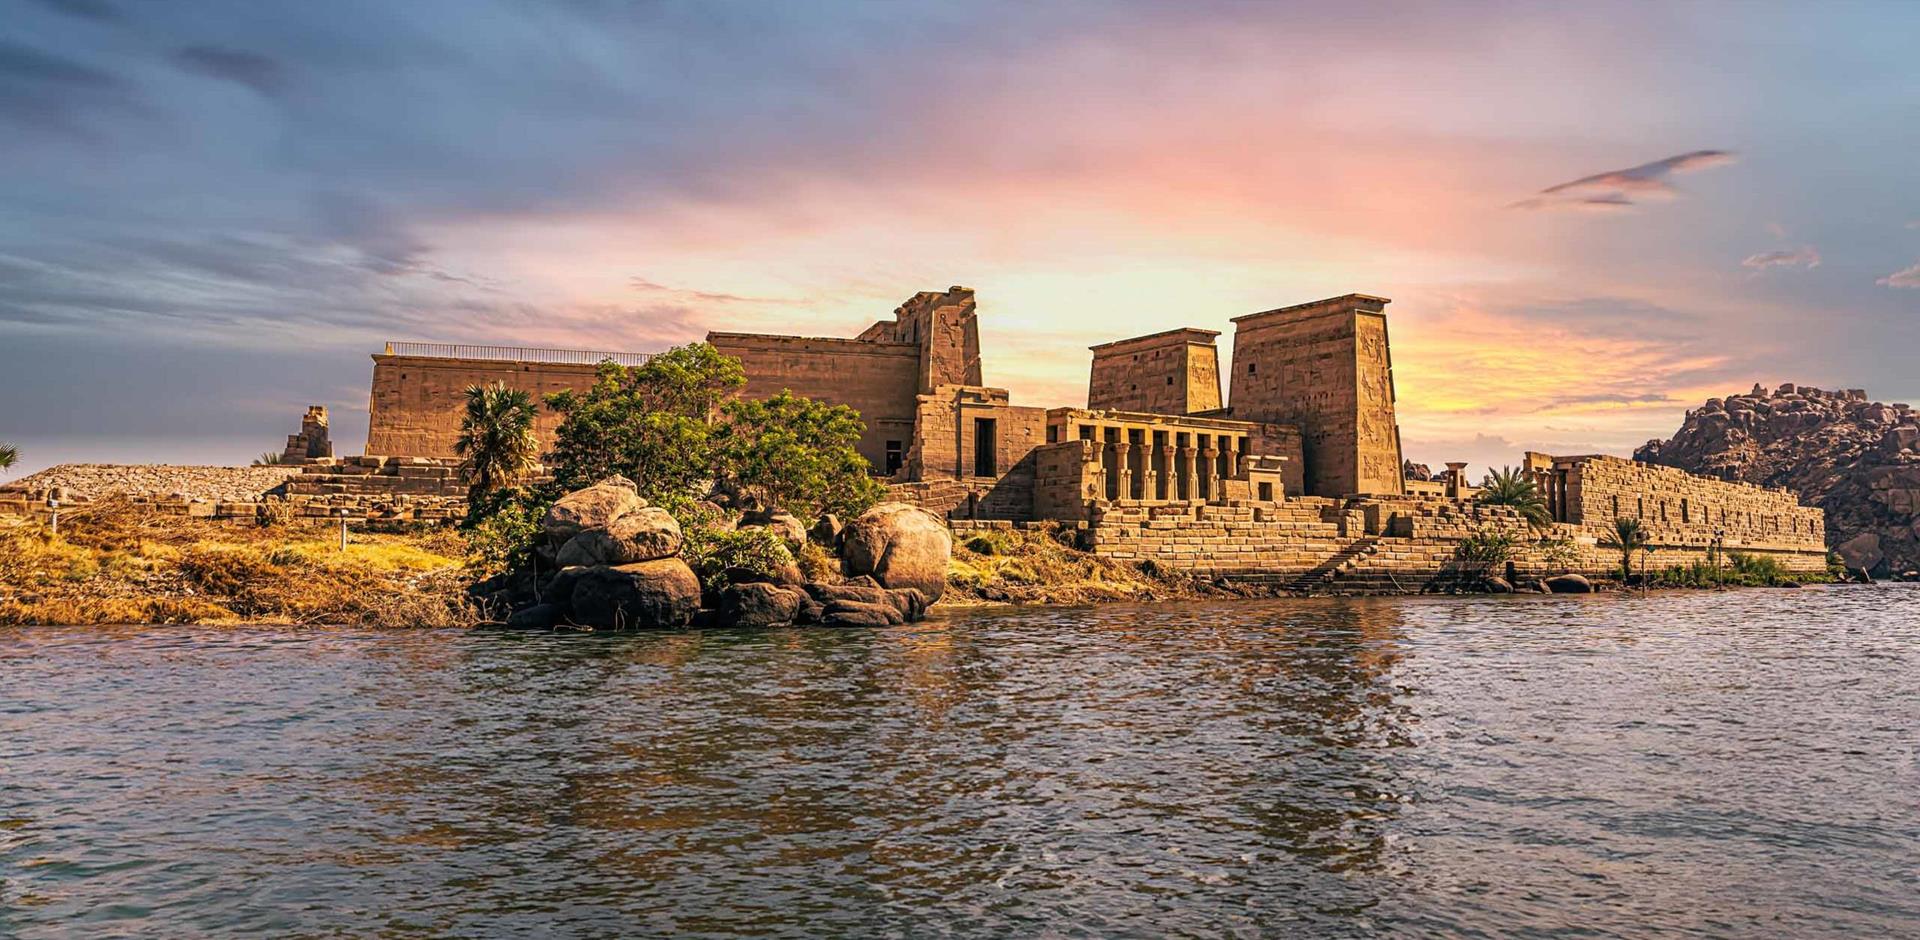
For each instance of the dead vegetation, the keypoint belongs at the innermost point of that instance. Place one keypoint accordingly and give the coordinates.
(1041, 565)
(114, 562)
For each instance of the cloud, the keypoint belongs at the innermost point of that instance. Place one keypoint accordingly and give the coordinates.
(645, 286)
(1914, 224)
(1617, 189)
(258, 72)
(85, 9)
(49, 92)
(1805, 256)
(1909, 277)
(1776, 229)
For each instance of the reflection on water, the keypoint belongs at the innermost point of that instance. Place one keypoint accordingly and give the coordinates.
(1709, 764)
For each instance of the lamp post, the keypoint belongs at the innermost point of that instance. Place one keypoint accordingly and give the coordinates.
(343, 529)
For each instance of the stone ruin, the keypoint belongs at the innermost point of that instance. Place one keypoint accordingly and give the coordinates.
(312, 443)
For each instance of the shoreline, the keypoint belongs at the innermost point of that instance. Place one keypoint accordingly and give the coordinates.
(116, 564)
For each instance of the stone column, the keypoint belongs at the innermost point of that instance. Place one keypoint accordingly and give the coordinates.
(1125, 489)
(1206, 486)
(1184, 481)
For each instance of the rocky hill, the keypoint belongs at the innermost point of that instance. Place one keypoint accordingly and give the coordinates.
(1854, 458)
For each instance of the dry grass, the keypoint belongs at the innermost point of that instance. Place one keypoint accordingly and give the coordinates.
(116, 563)
(1041, 566)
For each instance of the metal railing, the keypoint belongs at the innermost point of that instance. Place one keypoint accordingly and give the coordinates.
(586, 357)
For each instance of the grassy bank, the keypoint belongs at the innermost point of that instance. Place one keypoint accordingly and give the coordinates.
(115, 563)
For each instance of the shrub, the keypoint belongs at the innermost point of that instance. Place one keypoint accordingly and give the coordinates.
(711, 549)
(653, 423)
(816, 562)
(797, 454)
(503, 529)
(1485, 548)
(991, 542)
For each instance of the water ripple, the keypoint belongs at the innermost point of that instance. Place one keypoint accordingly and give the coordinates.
(1738, 764)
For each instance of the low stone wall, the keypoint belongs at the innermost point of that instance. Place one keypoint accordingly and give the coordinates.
(359, 489)
(1388, 545)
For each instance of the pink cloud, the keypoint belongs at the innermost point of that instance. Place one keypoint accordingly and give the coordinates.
(1909, 277)
(1806, 256)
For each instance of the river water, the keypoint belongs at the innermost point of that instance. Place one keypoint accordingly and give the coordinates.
(1700, 764)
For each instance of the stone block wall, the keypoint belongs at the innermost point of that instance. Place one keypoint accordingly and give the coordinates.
(1324, 367)
(417, 401)
(1176, 372)
(881, 380)
(945, 328)
(947, 440)
(1680, 510)
(1391, 545)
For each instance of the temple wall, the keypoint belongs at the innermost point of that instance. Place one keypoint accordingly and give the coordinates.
(1324, 368)
(417, 401)
(1172, 373)
(878, 379)
(1681, 510)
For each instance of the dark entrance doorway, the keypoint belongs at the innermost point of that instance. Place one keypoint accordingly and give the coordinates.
(983, 448)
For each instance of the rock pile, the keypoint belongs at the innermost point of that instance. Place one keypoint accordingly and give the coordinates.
(619, 568)
(1854, 458)
(208, 484)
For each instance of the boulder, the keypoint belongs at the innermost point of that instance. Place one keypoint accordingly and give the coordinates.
(645, 534)
(900, 546)
(758, 604)
(859, 593)
(641, 535)
(827, 531)
(595, 507)
(559, 590)
(856, 614)
(1862, 551)
(645, 595)
(1568, 584)
(911, 604)
(783, 524)
(1499, 586)
(537, 617)
(591, 548)
(785, 574)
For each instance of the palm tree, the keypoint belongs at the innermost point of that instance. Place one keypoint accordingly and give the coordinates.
(1629, 536)
(496, 443)
(9, 455)
(1508, 486)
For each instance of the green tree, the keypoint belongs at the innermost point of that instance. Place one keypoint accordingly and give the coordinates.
(269, 458)
(1508, 486)
(496, 444)
(797, 454)
(9, 455)
(652, 423)
(1629, 536)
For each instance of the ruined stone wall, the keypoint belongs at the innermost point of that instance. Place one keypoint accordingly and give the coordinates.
(944, 325)
(946, 446)
(1682, 511)
(417, 401)
(878, 379)
(1325, 368)
(1361, 546)
(1065, 479)
(1173, 373)
(358, 489)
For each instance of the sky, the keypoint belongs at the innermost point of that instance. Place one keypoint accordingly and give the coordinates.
(1588, 219)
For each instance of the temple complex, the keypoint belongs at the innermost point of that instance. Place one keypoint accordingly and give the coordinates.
(1294, 477)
